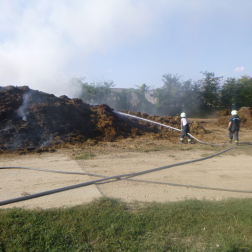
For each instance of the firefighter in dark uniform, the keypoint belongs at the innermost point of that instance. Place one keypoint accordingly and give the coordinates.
(234, 126)
(185, 129)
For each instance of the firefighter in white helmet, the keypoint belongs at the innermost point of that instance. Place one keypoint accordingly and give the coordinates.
(185, 129)
(234, 127)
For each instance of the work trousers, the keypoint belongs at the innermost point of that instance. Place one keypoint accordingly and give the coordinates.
(185, 131)
(235, 134)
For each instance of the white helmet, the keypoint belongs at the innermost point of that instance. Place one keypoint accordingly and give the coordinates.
(182, 114)
(234, 112)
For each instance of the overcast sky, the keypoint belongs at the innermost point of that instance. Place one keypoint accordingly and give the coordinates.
(45, 43)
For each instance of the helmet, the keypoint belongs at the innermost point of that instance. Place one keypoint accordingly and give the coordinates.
(234, 112)
(182, 114)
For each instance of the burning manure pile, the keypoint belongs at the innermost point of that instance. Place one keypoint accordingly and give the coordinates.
(174, 122)
(30, 120)
(33, 120)
(244, 113)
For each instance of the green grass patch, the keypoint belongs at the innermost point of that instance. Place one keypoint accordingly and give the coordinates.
(112, 225)
(85, 155)
(153, 149)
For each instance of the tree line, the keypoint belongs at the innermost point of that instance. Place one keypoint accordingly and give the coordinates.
(197, 98)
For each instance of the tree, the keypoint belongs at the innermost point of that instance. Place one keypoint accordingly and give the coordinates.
(210, 87)
(169, 96)
(245, 94)
(123, 100)
(143, 105)
(191, 98)
(96, 93)
(237, 93)
(230, 93)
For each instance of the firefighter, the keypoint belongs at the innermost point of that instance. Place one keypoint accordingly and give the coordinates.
(234, 126)
(185, 129)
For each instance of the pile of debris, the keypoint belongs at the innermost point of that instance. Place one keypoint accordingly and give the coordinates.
(224, 112)
(34, 120)
(174, 122)
(245, 115)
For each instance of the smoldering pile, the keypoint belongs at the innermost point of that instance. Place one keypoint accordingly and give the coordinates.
(33, 120)
(174, 122)
(245, 115)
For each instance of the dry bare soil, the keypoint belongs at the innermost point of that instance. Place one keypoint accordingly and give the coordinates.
(220, 177)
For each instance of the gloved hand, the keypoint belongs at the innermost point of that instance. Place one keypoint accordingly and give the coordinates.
(228, 129)
(181, 129)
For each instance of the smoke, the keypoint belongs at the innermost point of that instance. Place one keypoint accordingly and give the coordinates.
(47, 142)
(23, 109)
(6, 128)
(45, 43)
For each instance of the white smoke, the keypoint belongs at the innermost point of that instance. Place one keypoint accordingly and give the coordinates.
(47, 142)
(45, 43)
(6, 128)
(23, 111)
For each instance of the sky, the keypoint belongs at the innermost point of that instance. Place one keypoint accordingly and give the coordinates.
(46, 43)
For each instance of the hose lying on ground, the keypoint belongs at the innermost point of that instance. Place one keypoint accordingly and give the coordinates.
(122, 176)
(163, 125)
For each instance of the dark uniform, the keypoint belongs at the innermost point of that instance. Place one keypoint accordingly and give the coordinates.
(234, 128)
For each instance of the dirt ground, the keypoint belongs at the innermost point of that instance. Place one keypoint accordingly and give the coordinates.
(215, 176)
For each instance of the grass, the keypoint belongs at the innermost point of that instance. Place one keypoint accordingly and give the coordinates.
(111, 225)
(85, 155)
(185, 147)
(215, 148)
(163, 148)
(150, 149)
(206, 155)
(153, 149)
(241, 150)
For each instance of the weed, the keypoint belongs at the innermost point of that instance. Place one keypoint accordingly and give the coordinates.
(153, 149)
(182, 148)
(85, 155)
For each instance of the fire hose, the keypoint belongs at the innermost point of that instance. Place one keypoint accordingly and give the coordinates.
(122, 176)
(163, 125)
(116, 177)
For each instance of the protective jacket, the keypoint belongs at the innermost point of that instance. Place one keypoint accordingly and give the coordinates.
(235, 126)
